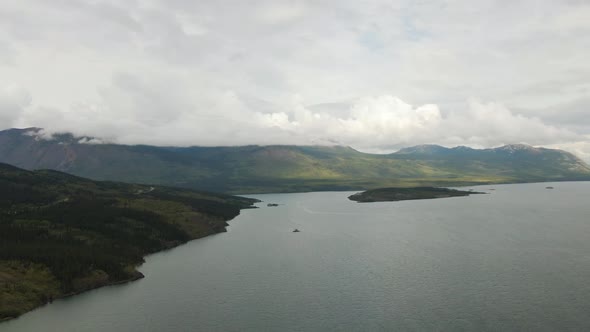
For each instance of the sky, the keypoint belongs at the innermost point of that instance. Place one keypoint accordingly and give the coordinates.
(376, 75)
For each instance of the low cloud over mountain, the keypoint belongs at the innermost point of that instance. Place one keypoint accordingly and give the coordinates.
(377, 77)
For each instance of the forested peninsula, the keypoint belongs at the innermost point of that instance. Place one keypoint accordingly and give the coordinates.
(61, 234)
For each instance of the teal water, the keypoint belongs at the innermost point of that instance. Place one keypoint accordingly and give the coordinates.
(516, 259)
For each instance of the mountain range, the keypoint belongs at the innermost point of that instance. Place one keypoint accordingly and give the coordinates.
(285, 168)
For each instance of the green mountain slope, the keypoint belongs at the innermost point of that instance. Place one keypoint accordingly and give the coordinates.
(61, 234)
(249, 169)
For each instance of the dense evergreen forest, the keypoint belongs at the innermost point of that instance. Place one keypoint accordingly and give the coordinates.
(61, 234)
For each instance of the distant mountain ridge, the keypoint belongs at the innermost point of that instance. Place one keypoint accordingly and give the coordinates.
(433, 149)
(285, 168)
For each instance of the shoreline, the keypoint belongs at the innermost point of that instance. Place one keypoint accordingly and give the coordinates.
(393, 194)
(137, 275)
(428, 184)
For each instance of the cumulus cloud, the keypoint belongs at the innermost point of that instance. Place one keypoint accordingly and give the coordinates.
(131, 113)
(13, 101)
(388, 123)
(377, 76)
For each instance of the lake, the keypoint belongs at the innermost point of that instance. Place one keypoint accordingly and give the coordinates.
(515, 259)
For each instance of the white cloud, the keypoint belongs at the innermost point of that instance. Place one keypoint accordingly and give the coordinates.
(13, 101)
(275, 13)
(579, 148)
(233, 72)
(383, 123)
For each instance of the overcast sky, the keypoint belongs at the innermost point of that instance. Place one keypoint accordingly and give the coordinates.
(376, 75)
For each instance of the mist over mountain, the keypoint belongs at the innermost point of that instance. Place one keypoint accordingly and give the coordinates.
(134, 123)
(286, 168)
(377, 76)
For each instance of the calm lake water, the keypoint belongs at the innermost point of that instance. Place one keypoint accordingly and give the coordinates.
(513, 260)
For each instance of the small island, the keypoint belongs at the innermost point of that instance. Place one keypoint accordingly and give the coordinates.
(402, 194)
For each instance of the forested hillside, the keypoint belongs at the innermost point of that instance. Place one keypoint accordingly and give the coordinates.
(61, 234)
(257, 169)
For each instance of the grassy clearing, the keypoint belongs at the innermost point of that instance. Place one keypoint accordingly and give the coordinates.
(25, 286)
